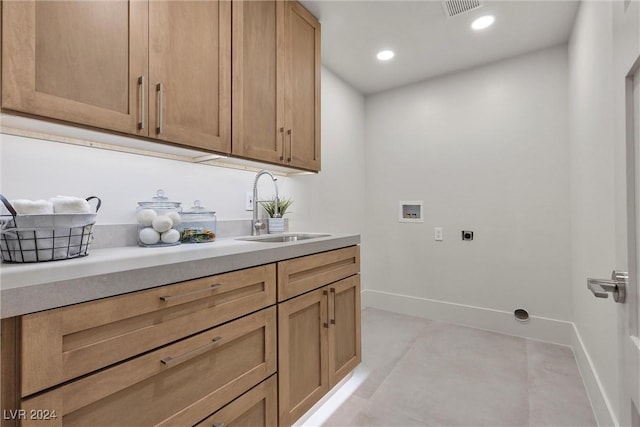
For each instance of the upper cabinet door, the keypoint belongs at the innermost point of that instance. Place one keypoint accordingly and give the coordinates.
(258, 96)
(302, 83)
(190, 73)
(77, 61)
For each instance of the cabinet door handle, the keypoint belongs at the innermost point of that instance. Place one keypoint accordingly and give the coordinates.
(159, 103)
(282, 135)
(326, 294)
(218, 425)
(169, 298)
(193, 353)
(290, 132)
(142, 103)
(333, 295)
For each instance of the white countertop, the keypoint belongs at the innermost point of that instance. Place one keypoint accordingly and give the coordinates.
(27, 288)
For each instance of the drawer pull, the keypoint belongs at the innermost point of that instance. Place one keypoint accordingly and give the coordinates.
(218, 425)
(168, 298)
(142, 103)
(188, 355)
(290, 132)
(326, 294)
(333, 294)
(282, 133)
(159, 106)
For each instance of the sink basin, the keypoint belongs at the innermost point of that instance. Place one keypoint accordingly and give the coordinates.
(281, 238)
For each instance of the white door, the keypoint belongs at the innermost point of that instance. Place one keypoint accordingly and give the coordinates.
(622, 285)
(627, 67)
(626, 74)
(629, 318)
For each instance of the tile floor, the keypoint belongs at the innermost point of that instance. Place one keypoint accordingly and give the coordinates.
(417, 372)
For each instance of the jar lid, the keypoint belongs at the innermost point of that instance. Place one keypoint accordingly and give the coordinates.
(160, 201)
(197, 209)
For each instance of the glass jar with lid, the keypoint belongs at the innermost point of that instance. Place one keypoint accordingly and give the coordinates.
(158, 220)
(198, 225)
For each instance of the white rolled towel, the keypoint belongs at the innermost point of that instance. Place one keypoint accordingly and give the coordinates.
(32, 207)
(70, 205)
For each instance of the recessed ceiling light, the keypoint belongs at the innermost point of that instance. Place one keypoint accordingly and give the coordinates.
(385, 55)
(483, 22)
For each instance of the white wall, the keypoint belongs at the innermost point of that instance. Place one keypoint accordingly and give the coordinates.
(333, 200)
(486, 149)
(35, 169)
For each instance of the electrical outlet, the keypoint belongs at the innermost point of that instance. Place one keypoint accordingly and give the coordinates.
(249, 201)
(437, 234)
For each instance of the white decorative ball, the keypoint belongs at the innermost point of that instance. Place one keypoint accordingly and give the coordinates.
(175, 218)
(170, 236)
(146, 217)
(149, 236)
(162, 223)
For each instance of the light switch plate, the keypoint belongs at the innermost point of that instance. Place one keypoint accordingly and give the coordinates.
(249, 201)
(437, 234)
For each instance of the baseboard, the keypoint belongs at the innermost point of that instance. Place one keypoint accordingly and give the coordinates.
(602, 409)
(319, 412)
(538, 328)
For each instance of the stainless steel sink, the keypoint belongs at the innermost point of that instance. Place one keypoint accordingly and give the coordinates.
(281, 238)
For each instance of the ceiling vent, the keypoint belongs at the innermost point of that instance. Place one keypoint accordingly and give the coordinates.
(458, 7)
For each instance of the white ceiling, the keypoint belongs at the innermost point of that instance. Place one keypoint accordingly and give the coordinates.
(426, 42)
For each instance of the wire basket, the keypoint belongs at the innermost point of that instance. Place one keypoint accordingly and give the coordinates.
(50, 237)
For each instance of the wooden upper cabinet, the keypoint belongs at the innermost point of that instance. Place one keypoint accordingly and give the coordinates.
(190, 73)
(276, 83)
(76, 61)
(162, 69)
(258, 96)
(302, 87)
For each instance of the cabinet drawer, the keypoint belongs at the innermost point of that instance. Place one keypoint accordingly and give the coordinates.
(257, 407)
(179, 384)
(62, 344)
(300, 275)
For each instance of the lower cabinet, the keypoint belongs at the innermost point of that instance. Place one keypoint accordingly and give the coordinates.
(257, 407)
(177, 385)
(223, 350)
(318, 344)
(303, 350)
(63, 344)
(345, 352)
